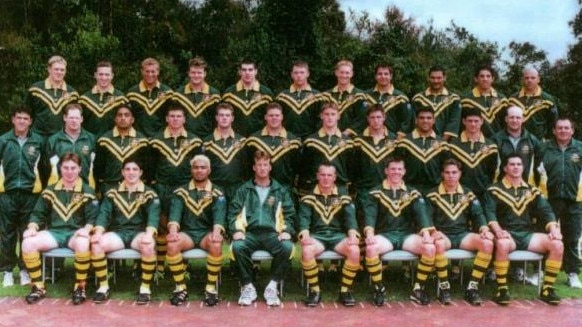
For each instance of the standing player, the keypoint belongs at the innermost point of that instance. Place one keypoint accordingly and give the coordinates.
(100, 102)
(48, 98)
(20, 185)
(148, 99)
(197, 218)
(198, 98)
(66, 213)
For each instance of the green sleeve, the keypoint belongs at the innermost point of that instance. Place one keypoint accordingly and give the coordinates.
(422, 214)
(40, 212)
(219, 207)
(153, 211)
(350, 221)
(489, 207)
(234, 209)
(477, 215)
(304, 217)
(370, 209)
(176, 209)
(104, 213)
(289, 212)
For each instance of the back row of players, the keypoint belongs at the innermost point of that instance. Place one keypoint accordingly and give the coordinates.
(358, 150)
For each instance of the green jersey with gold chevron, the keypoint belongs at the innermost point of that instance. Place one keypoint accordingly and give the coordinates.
(327, 214)
(491, 106)
(540, 111)
(64, 209)
(446, 107)
(454, 213)
(149, 106)
(47, 103)
(228, 161)
(351, 107)
(172, 155)
(397, 108)
(249, 106)
(301, 109)
(284, 150)
(99, 109)
(371, 156)
(200, 108)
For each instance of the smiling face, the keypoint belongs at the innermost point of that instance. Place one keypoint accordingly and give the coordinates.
(262, 169)
(57, 72)
(473, 124)
(131, 173)
(73, 119)
(70, 171)
(563, 131)
(425, 122)
(514, 167)
(383, 77)
(196, 75)
(21, 122)
(150, 74)
(484, 80)
(103, 77)
(344, 74)
(395, 172)
(436, 81)
(200, 171)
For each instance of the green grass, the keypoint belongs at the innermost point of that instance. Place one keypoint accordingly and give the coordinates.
(397, 288)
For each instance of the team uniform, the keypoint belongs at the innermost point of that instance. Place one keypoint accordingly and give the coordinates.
(148, 106)
(127, 214)
(47, 103)
(423, 158)
(397, 108)
(301, 109)
(350, 104)
(320, 148)
(200, 108)
(527, 146)
(479, 159)
(249, 106)
(561, 172)
(446, 107)
(99, 109)
(284, 150)
(112, 149)
(62, 212)
(261, 213)
(515, 209)
(20, 185)
(456, 215)
(327, 218)
(395, 215)
(492, 108)
(228, 160)
(84, 146)
(540, 111)
(196, 212)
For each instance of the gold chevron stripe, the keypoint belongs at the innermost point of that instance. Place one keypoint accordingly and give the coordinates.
(376, 155)
(54, 106)
(150, 105)
(388, 105)
(277, 152)
(168, 152)
(395, 206)
(472, 160)
(130, 209)
(326, 213)
(99, 110)
(300, 106)
(225, 155)
(452, 210)
(65, 211)
(517, 205)
(343, 105)
(330, 152)
(247, 108)
(121, 153)
(531, 110)
(195, 109)
(438, 108)
(489, 114)
(424, 155)
(196, 207)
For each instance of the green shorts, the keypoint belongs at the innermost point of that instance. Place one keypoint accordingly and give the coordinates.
(329, 240)
(61, 236)
(196, 235)
(521, 239)
(126, 236)
(396, 238)
(456, 239)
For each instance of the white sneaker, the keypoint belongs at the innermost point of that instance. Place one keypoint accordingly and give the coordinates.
(8, 279)
(533, 279)
(272, 296)
(248, 295)
(24, 277)
(574, 281)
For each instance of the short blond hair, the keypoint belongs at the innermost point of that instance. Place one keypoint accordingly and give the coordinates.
(344, 62)
(200, 158)
(148, 62)
(56, 59)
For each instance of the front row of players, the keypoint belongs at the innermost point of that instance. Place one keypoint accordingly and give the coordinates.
(262, 216)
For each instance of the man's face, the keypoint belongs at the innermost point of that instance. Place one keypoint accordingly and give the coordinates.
(224, 118)
(200, 171)
(436, 80)
(329, 118)
(70, 171)
(484, 80)
(473, 124)
(383, 77)
(451, 175)
(395, 172)
(514, 120)
(425, 122)
(531, 80)
(123, 118)
(344, 75)
(150, 74)
(274, 118)
(57, 72)
(248, 73)
(299, 75)
(376, 120)
(73, 120)
(514, 167)
(175, 119)
(326, 176)
(262, 168)
(103, 77)
(563, 131)
(131, 173)
(21, 122)
(196, 75)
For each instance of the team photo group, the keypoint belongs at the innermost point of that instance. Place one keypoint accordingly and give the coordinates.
(362, 173)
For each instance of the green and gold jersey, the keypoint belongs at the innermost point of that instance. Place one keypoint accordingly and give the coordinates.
(227, 158)
(321, 214)
(399, 114)
(351, 108)
(65, 209)
(371, 156)
(19, 162)
(99, 109)
(454, 213)
(284, 150)
(172, 155)
(47, 103)
(301, 109)
(84, 146)
(198, 210)
(400, 210)
(492, 108)
(527, 146)
(249, 106)
(200, 108)
(148, 106)
(446, 107)
(540, 111)
(122, 210)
